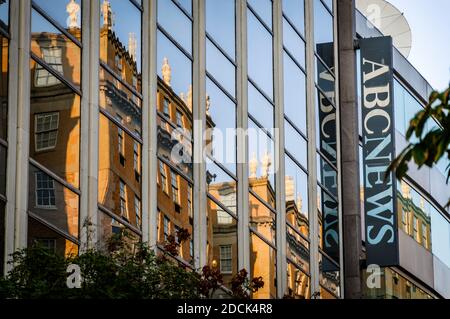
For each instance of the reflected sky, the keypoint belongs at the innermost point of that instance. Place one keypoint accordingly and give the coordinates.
(294, 93)
(220, 24)
(295, 11)
(296, 145)
(4, 12)
(57, 10)
(264, 10)
(220, 68)
(260, 60)
(323, 24)
(174, 21)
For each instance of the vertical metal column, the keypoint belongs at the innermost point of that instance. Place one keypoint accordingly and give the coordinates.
(199, 116)
(279, 149)
(92, 92)
(312, 163)
(242, 138)
(350, 143)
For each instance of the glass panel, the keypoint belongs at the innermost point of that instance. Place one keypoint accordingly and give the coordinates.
(222, 242)
(2, 171)
(328, 224)
(54, 48)
(326, 128)
(221, 118)
(260, 61)
(4, 14)
(55, 126)
(327, 175)
(175, 146)
(294, 94)
(186, 4)
(175, 210)
(323, 33)
(4, 62)
(67, 13)
(220, 68)
(119, 183)
(120, 37)
(221, 186)
(52, 202)
(293, 43)
(260, 108)
(176, 23)
(39, 234)
(120, 102)
(295, 11)
(175, 69)
(108, 227)
(440, 231)
(262, 163)
(262, 219)
(220, 24)
(263, 263)
(298, 283)
(329, 278)
(264, 10)
(297, 249)
(329, 3)
(296, 184)
(296, 145)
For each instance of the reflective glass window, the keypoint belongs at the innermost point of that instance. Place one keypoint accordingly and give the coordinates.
(329, 278)
(263, 9)
(294, 10)
(4, 14)
(46, 237)
(260, 108)
(297, 249)
(296, 196)
(294, 94)
(293, 43)
(4, 63)
(52, 202)
(221, 119)
(298, 283)
(220, 24)
(120, 36)
(66, 13)
(262, 219)
(263, 263)
(176, 23)
(118, 184)
(221, 186)
(222, 242)
(260, 60)
(55, 127)
(220, 68)
(55, 49)
(296, 145)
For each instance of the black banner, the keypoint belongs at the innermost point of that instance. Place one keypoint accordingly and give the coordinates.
(379, 151)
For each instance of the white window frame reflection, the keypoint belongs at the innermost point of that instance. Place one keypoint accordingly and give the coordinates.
(226, 259)
(45, 191)
(53, 57)
(46, 127)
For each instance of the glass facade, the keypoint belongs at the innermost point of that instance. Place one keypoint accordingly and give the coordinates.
(55, 110)
(211, 125)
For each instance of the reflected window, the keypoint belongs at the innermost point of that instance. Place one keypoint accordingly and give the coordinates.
(45, 191)
(162, 174)
(222, 186)
(123, 200)
(225, 259)
(175, 190)
(46, 131)
(52, 202)
(137, 211)
(57, 50)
